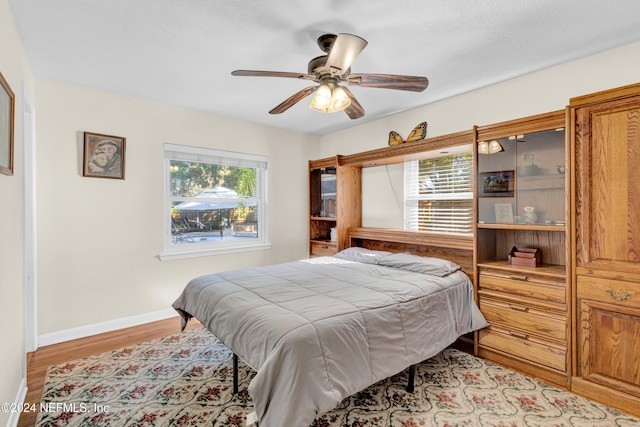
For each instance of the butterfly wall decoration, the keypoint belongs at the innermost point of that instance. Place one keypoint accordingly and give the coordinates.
(418, 133)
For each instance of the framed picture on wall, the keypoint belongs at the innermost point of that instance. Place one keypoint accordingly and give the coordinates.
(496, 184)
(7, 110)
(103, 156)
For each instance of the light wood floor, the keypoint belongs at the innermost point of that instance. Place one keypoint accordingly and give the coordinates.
(41, 359)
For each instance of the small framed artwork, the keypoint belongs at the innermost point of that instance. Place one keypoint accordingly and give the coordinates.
(504, 213)
(103, 156)
(7, 110)
(496, 184)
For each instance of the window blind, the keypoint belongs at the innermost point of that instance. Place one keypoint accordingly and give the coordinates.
(202, 155)
(439, 194)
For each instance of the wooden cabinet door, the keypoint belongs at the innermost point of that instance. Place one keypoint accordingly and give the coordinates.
(610, 333)
(608, 186)
(607, 237)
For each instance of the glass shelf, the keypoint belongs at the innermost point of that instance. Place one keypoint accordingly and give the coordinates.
(535, 227)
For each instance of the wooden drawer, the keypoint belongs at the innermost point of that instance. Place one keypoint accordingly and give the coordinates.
(544, 323)
(323, 248)
(616, 292)
(524, 347)
(543, 288)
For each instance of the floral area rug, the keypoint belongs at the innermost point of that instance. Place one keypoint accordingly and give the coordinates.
(186, 380)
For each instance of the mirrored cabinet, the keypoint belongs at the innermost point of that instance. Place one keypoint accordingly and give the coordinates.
(524, 182)
(522, 247)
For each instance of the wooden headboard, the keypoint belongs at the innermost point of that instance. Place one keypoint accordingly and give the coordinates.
(458, 249)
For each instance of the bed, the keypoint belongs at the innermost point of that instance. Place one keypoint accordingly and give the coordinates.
(321, 329)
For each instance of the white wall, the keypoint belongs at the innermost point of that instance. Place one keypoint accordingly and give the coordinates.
(98, 239)
(15, 69)
(536, 93)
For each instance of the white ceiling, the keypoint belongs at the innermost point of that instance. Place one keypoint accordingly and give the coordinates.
(182, 52)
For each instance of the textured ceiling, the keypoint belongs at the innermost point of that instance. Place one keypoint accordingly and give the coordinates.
(182, 52)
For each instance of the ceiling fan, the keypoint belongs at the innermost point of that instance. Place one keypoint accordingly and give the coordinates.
(332, 69)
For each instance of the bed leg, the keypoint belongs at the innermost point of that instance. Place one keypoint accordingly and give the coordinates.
(412, 376)
(235, 373)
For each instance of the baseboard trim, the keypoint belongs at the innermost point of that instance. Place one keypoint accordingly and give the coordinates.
(100, 328)
(14, 416)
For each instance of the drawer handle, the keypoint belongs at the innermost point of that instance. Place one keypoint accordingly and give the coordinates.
(521, 336)
(619, 295)
(519, 308)
(518, 277)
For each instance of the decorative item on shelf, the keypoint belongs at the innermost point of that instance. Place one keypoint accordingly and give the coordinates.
(330, 210)
(504, 213)
(530, 215)
(418, 133)
(490, 147)
(333, 234)
(526, 257)
(528, 168)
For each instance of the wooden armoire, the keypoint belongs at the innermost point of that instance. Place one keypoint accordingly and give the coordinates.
(606, 274)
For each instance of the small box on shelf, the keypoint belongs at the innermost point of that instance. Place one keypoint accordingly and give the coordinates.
(526, 257)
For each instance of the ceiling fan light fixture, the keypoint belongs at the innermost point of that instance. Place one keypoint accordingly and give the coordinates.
(330, 98)
(490, 147)
(340, 99)
(322, 99)
(495, 147)
(483, 147)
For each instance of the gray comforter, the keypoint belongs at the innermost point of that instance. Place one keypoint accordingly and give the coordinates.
(319, 330)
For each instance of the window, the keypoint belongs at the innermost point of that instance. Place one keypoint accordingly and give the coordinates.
(215, 201)
(438, 193)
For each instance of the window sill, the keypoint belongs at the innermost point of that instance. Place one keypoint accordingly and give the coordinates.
(171, 255)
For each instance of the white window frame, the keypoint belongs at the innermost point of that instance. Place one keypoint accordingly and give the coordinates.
(207, 155)
(412, 196)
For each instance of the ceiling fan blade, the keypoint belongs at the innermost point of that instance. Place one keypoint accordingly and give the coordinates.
(255, 73)
(344, 51)
(293, 99)
(355, 110)
(389, 81)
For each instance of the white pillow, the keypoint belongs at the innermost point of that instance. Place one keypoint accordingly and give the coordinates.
(363, 255)
(420, 264)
